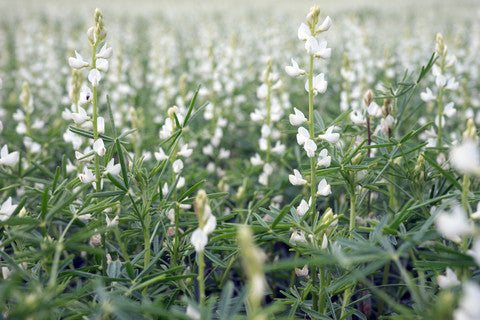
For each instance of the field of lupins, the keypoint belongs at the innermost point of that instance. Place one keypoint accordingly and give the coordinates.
(229, 165)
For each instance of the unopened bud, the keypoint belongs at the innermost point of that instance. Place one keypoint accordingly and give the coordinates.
(471, 132)
(312, 16)
(302, 272)
(440, 46)
(368, 98)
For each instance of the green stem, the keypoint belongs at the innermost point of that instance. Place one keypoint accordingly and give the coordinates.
(201, 279)
(440, 105)
(352, 211)
(312, 174)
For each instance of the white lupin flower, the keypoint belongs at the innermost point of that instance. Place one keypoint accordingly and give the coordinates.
(265, 131)
(374, 110)
(210, 225)
(113, 222)
(449, 109)
(80, 116)
(324, 242)
(427, 95)
(160, 155)
(310, 147)
(99, 147)
(94, 76)
(302, 136)
(329, 136)
(476, 214)
(466, 158)
(8, 159)
(325, 25)
(87, 176)
(199, 240)
(184, 151)
(193, 313)
(77, 62)
(319, 84)
(323, 188)
(181, 182)
(100, 125)
(102, 65)
(223, 153)
(302, 208)
(262, 91)
(7, 209)
(468, 307)
(279, 148)
(177, 165)
(256, 160)
(294, 71)
(475, 251)
(297, 237)
(324, 159)
(302, 272)
(357, 117)
(106, 52)
(303, 32)
(448, 280)
(85, 217)
(296, 178)
(85, 95)
(451, 84)
(112, 168)
(454, 224)
(440, 80)
(316, 49)
(298, 118)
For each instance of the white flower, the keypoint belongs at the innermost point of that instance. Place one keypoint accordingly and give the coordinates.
(181, 182)
(319, 84)
(223, 153)
(177, 166)
(440, 80)
(294, 71)
(208, 150)
(77, 62)
(475, 251)
(211, 223)
(357, 117)
(324, 159)
(310, 147)
(113, 222)
(256, 160)
(166, 130)
(302, 272)
(8, 159)
(184, 151)
(448, 280)
(265, 131)
(297, 237)
(296, 178)
(427, 95)
(100, 125)
(262, 91)
(329, 136)
(302, 208)
(112, 168)
(302, 136)
(7, 209)
(325, 25)
(193, 313)
(466, 158)
(99, 147)
(85, 217)
(278, 148)
(85, 95)
(316, 49)
(476, 214)
(449, 110)
(105, 53)
(199, 240)
(80, 116)
(374, 110)
(453, 225)
(325, 241)
(87, 176)
(94, 77)
(323, 188)
(160, 155)
(298, 118)
(452, 84)
(303, 32)
(102, 65)
(468, 307)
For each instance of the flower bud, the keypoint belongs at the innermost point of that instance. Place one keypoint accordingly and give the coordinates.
(471, 132)
(368, 98)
